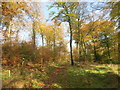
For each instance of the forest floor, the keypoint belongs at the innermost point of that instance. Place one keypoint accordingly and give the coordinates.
(65, 76)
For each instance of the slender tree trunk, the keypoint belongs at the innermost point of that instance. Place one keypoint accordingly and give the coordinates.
(77, 46)
(34, 41)
(95, 52)
(79, 51)
(107, 46)
(42, 52)
(79, 41)
(54, 52)
(78, 36)
(71, 55)
(71, 34)
(8, 31)
(17, 36)
(119, 46)
(81, 46)
(85, 50)
(119, 41)
(34, 35)
(42, 40)
(108, 50)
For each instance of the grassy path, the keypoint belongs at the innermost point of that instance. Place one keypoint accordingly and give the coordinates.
(95, 76)
(55, 74)
(66, 76)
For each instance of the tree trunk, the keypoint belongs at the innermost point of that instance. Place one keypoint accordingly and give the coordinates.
(54, 52)
(8, 31)
(95, 53)
(85, 50)
(119, 41)
(71, 55)
(34, 41)
(34, 35)
(81, 47)
(17, 36)
(108, 50)
(42, 40)
(77, 46)
(79, 50)
(107, 46)
(119, 46)
(42, 52)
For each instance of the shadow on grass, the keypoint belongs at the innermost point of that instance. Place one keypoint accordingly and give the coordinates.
(81, 78)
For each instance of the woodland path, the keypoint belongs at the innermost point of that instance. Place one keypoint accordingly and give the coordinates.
(54, 74)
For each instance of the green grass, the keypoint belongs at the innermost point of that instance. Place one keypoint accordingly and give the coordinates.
(74, 77)
(92, 76)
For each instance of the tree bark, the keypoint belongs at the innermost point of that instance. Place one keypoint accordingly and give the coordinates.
(79, 41)
(95, 52)
(54, 52)
(107, 47)
(119, 41)
(85, 50)
(79, 51)
(34, 35)
(71, 55)
(34, 41)
(7, 33)
(42, 52)
(42, 40)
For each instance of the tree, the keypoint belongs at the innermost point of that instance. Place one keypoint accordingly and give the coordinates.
(77, 35)
(35, 17)
(115, 15)
(101, 35)
(67, 14)
(9, 11)
(42, 29)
